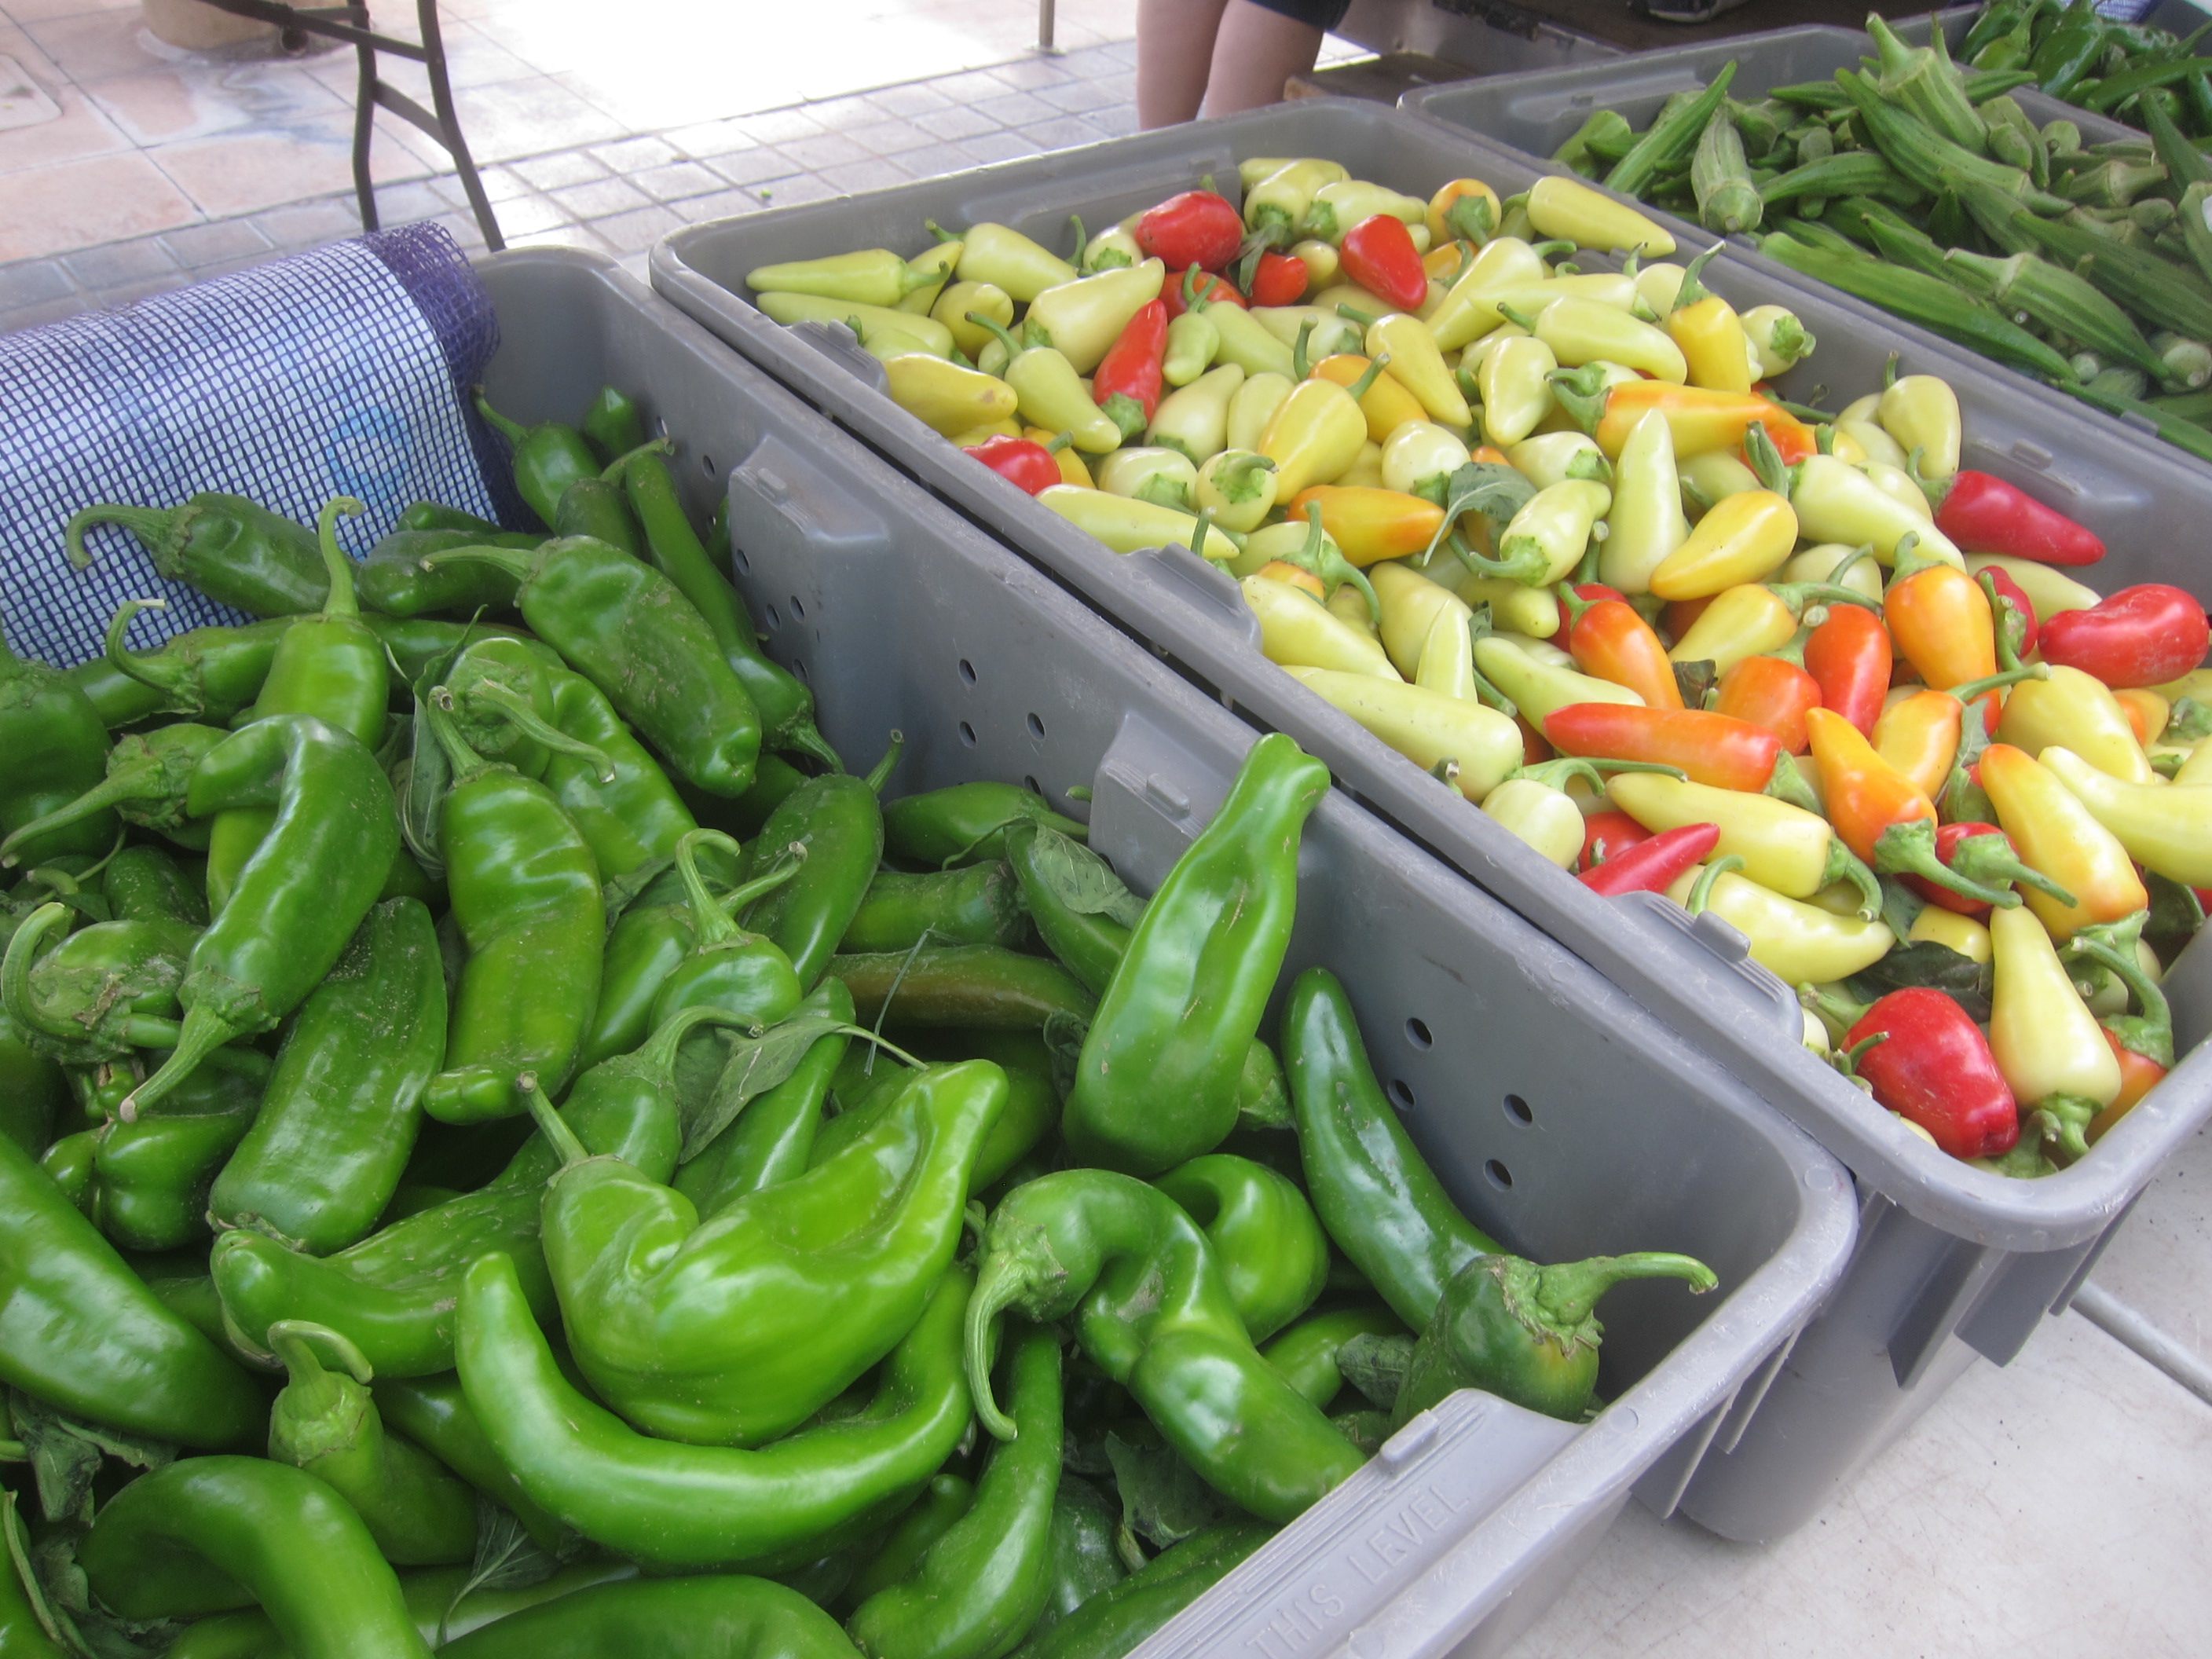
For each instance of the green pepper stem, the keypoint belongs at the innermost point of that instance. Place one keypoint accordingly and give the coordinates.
(996, 1287)
(200, 1034)
(1701, 894)
(2064, 1121)
(138, 782)
(1844, 865)
(1972, 688)
(1839, 1012)
(616, 467)
(1767, 460)
(656, 1055)
(516, 562)
(567, 1146)
(514, 708)
(1354, 314)
(712, 926)
(1991, 860)
(1301, 365)
(2112, 946)
(1693, 288)
(1568, 1292)
(1555, 773)
(1321, 557)
(1799, 595)
(759, 887)
(1909, 849)
(1373, 373)
(145, 1031)
(171, 686)
(15, 976)
(336, 565)
(1788, 784)
(878, 778)
(294, 1341)
(513, 431)
(1014, 347)
(438, 710)
(150, 525)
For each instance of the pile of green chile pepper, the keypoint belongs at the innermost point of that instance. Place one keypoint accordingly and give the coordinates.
(493, 1159)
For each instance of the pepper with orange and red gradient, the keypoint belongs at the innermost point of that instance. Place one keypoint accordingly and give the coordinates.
(1198, 228)
(1880, 814)
(1773, 692)
(2141, 636)
(1608, 639)
(1930, 1063)
(1654, 864)
(1712, 749)
(1128, 379)
(1379, 254)
(1983, 514)
(1849, 658)
(1195, 284)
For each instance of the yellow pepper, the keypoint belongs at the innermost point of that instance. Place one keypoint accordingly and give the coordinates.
(2075, 711)
(1837, 503)
(2044, 1041)
(1298, 630)
(2047, 589)
(1130, 527)
(1323, 333)
(1778, 341)
(1366, 472)
(1385, 403)
(1537, 687)
(875, 276)
(1467, 312)
(813, 308)
(1418, 365)
(1071, 468)
(1420, 456)
(1921, 412)
(2057, 836)
(1589, 331)
(1555, 456)
(1820, 562)
(1541, 817)
(1370, 524)
(1745, 538)
(1428, 727)
(1448, 660)
(1320, 260)
(1937, 925)
(928, 273)
(1082, 319)
(1238, 488)
(1195, 418)
(1516, 391)
(1315, 437)
(1338, 207)
(1785, 848)
(1411, 606)
(1567, 208)
(1798, 941)
(1861, 441)
(945, 397)
(1646, 523)
(1007, 259)
(954, 304)
(1746, 621)
(1515, 607)
(1546, 538)
(1709, 333)
(1253, 407)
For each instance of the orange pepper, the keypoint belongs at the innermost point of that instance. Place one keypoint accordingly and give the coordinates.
(1918, 736)
(2139, 1075)
(1489, 454)
(1297, 576)
(2055, 835)
(1700, 421)
(1441, 260)
(1772, 692)
(1386, 402)
(1610, 640)
(1865, 796)
(1448, 218)
(1940, 619)
(1370, 524)
(1683, 614)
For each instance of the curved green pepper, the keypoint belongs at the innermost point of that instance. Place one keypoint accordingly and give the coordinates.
(502, 708)
(33, 1091)
(984, 986)
(342, 1105)
(1152, 1312)
(966, 822)
(840, 823)
(145, 884)
(1527, 1333)
(643, 949)
(56, 750)
(325, 1423)
(236, 551)
(736, 1331)
(82, 1331)
(547, 458)
(415, 644)
(771, 1141)
(435, 1414)
(210, 1533)
(99, 992)
(526, 897)
(687, 1508)
(981, 1585)
(974, 904)
(946, 1498)
(614, 424)
(1159, 1078)
(394, 580)
(436, 515)
(630, 631)
(1085, 1560)
(1118, 1619)
(1306, 1354)
(211, 672)
(629, 818)
(298, 899)
(595, 507)
(1375, 1194)
(1272, 1254)
(727, 967)
(147, 773)
(709, 1618)
(1031, 1112)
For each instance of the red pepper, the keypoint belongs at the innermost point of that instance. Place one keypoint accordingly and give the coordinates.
(1592, 592)
(1984, 514)
(2006, 592)
(1981, 852)
(1128, 382)
(1771, 692)
(1713, 748)
(1282, 279)
(1850, 658)
(1192, 282)
(1379, 255)
(1610, 640)
(1021, 461)
(1652, 865)
(1607, 836)
(1681, 615)
(1197, 227)
(1930, 1063)
(2143, 636)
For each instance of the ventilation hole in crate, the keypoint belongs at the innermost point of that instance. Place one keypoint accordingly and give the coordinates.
(797, 610)
(967, 734)
(1519, 1110)
(967, 672)
(1400, 1094)
(1500, 1176)
(1417, 1033)
(660, 427)
(775, 616)
(738, 556)
(707, 464)
(1036, 728)
(798, 669)
(1032, 785)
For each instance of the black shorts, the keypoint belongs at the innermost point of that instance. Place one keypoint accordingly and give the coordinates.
(1321, 14)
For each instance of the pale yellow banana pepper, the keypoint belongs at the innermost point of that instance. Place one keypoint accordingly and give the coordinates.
(1589, 331)
(1569, 209)
(953, 305)
(2044, 1039)
(1130, 527)
(1297, 630)
(1253, 408)
(1516, 391)
(1921, 412)
(1537, 689)
(946, 397)
(2048, 590)
(1314, 436)
(1539, 816)
(1427, 728)
(2166, 828)
(1417, 364)
(813, 308)
(1646, 523)
(1797, 940)
(1411, 604)
(2075, 711)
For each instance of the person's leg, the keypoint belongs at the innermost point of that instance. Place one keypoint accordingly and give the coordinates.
(1258, 47)
(1175, 44)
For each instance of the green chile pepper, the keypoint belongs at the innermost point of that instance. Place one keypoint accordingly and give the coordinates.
(393, 1294)
(1152, 1312)
(974, 904)
(236, 551)
(986, 987)
(627, 809)
(1527, 1333)
(736, 1332)
(32, 1092)
(393, 579)
(56, 750)
(786, 706)
(436, 515)
(839, 822)
(1159, 1078)
(147, 773)
(434, 1413)
(705, 1618)
(614, 424)
(548, 459)
(1032, 1111)
(210, 1533)
(1119, 1618)
(342, 1105)
(324, 1422)
(298, 899)
(1374, 1192)
(416, 644)
(99, 992)
(632, 632)
(981, 1585)
(1272, 1254)
(526, 894)
(211, 672)
(1306, 1354)
(1084, 1561)
(946, 1498)
(150, 1176)
(966, 823)
(727, 967)
(145, 884)
(771, 1141)
(78, 1328)
(773, 780)
(671, 1506)
(595, 507)
(643, 949)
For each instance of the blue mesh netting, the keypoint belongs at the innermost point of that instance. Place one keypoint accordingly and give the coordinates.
(341, 371)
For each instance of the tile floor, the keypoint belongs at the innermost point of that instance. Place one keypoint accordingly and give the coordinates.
(2058, 1507)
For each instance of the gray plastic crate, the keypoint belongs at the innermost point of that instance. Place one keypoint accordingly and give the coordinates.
(1558, 1112)
(1985, 1258)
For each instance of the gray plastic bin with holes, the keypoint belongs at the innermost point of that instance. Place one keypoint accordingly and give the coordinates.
(1556, 1110)
(1954, 1261)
